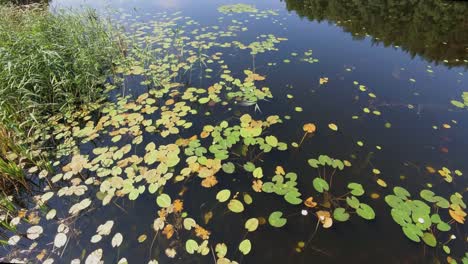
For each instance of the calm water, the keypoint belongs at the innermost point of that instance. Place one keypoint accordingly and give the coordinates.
(383, 45)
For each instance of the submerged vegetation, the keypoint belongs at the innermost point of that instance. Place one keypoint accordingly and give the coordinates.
(169, 118)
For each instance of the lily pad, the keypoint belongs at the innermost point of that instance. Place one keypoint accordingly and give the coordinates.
(163, 200)
(429, 239)
(191, 246)
(356, 189)
(223, 195)
(229, 167)
(275, 219)
(236, 206)
(340, 214)
(245, 246)
(293, 197)
(251, 224)
(320, 185)
(365, 211)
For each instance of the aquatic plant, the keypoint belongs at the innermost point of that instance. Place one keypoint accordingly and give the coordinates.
(51, 62)
(460, 104)
(323, 184)
(419, 221)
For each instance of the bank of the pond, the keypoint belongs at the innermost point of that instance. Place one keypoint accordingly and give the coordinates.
(49, 63)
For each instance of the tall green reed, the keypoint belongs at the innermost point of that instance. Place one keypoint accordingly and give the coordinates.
(51, 63)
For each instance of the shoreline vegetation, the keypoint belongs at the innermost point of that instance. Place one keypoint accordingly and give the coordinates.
(50, 63)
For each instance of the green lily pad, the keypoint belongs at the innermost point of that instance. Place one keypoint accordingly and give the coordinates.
(412, 232)
(251, 224)
(446, 249)
(353, 202)
(223, 195)
(271, 140)
(249, 166)
(313, 163)
(401, 217)
(444, 227)
(427, 195)
(292, 197)
(429, 239)
(245, 246)
(365, 211)
(268, 187)
(320, 185)
(229, 167)
(356, 189)
(393, 201)
(457, 104)
(401, 192)
(235, 206)
(275, 219)
(163, 200)
(340, 214)
(191, 246)
(258, 173)
(441, 202)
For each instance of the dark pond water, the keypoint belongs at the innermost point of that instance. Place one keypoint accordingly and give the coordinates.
(411, 54)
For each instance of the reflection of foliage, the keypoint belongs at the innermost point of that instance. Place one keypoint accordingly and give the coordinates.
(433, 29)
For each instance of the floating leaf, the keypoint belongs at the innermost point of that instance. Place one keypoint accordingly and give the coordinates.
(142, 238)
(271, 140)
(340, 214)
(309, 202)
(293, 197)
(457, 104)
(381, 183)
(251, 224)
(446, 249)
(117, 240)
(60, 240)
(235, 206)
(365, 211)
(401, 192)
(309, 128)
(429, 239)
(320, 185)
(249, 166)
(275, 219)
(245, 246)
(191, 246)
(412, 232)
(356, 189)
(427, 195)
(221, 250)
(353, 202)
(333, 127)
(223, 195)
(258, 172)
(163, 200)
(189, 223)
(458, 216)
(229, 167)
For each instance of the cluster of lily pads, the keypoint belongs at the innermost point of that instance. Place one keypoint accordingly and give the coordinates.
(421, 219)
